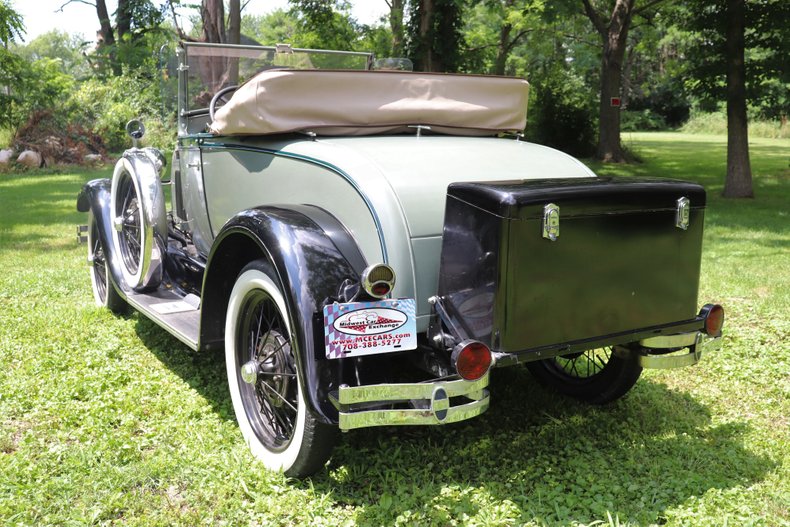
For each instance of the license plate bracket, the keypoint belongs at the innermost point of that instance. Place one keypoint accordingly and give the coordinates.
(355, 329)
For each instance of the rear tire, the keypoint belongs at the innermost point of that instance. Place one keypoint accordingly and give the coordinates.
(596, 376)
(270, 404)
(104, 293)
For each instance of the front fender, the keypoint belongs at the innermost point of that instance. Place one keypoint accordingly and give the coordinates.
(310, 268)
(94, 197)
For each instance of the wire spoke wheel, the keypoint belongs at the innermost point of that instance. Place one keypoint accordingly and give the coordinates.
(130, 235)
(271, 401)
(104, 292)
(597, 376)
(98, 266)
(585, 364)
(268, 396)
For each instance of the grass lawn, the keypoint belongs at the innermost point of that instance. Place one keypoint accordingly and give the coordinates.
(107, 420)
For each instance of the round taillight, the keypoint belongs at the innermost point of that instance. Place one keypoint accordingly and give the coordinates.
(714, 321)
(472, 359)
(378, 280)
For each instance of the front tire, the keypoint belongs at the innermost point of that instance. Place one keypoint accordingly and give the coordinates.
(597, 376)
(268, 396)
(104, 293)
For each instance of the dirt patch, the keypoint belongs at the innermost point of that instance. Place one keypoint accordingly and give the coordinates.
(58, 144)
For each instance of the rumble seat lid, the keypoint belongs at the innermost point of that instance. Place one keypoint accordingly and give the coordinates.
(524, 199)
(333, 102)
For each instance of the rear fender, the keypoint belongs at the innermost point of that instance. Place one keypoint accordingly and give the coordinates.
(310, 269)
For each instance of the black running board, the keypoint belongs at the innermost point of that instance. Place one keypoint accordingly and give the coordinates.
(178, 315)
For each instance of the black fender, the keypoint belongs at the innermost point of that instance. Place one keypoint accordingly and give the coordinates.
(312, 254)
(94, 197)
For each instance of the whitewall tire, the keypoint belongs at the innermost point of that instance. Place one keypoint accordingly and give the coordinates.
(267, 394)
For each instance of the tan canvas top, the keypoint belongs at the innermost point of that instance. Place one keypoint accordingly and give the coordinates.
(370, 102)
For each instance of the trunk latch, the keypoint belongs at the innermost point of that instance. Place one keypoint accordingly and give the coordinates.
(551, 221)
(683, 213)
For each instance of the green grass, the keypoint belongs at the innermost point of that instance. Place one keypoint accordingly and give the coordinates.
(107, 420)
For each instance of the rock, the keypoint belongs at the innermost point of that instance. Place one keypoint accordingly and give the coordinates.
(92, 159)
(5, 156)
(29, 158)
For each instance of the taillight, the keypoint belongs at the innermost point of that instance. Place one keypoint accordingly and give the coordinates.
(714, 320)
(472, 359)
(378, 280)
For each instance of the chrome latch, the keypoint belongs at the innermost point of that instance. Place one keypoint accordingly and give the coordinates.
(551, 221)
(683, 213)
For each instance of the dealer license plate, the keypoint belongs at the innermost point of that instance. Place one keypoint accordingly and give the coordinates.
(368, 328)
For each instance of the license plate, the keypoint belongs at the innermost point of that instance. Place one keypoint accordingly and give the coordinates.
(369, 328)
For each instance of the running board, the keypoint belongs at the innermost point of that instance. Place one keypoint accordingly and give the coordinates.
(179, 316)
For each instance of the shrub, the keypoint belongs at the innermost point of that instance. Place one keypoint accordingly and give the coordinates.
(562, 115)
(715, 123)
(641, 120)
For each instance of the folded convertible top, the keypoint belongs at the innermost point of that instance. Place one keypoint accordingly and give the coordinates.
(331, 102)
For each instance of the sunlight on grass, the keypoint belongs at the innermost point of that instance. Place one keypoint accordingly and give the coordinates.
(107, 420)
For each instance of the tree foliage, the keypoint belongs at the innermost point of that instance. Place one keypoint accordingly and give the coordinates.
(663, 59)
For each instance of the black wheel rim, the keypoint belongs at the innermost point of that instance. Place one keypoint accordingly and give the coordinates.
(270, 402)
(130, 235)
(99, 265)
(583, 365)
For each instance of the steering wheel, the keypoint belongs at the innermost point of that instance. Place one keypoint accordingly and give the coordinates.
(220, 95)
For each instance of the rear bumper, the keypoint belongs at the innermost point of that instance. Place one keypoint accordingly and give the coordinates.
(429, 403)
(660, 352)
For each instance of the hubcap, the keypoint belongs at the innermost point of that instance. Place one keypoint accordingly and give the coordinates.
(249, 372)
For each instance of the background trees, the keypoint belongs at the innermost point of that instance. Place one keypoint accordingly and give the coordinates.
(666, 62)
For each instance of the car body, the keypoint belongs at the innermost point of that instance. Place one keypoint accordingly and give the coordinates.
(366, 245)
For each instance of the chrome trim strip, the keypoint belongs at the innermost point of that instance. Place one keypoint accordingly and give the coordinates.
(350, 421)
(408, 391)
(681, 340)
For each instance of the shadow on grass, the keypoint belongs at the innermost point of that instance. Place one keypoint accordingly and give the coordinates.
(549, 458)
(204, 372)
(555, 460)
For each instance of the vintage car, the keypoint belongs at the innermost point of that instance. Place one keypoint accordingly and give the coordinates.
(366, 243)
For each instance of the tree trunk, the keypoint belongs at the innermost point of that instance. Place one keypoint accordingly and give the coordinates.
(428, 59)
(106, 35)
(212, 13)
(614, 36)
(396, 26)
(503, 49)
(213, 69)
(739, 171)
(234, 37)
(123, 18)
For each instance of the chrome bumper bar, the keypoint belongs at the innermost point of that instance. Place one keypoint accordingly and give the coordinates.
(431, 403)
(695, 343)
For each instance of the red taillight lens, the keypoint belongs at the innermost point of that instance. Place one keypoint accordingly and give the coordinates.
(714, 321)
(380, 289)
(472, 359)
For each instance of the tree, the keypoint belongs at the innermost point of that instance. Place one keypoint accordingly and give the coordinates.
(612, 26)
(396, 25)
(124, 44)
(739, 55)
(738, 183)
(11, 66)
(11, 25)
(435, 35)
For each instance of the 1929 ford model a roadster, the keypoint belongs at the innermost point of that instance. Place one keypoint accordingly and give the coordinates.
(299, 195)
